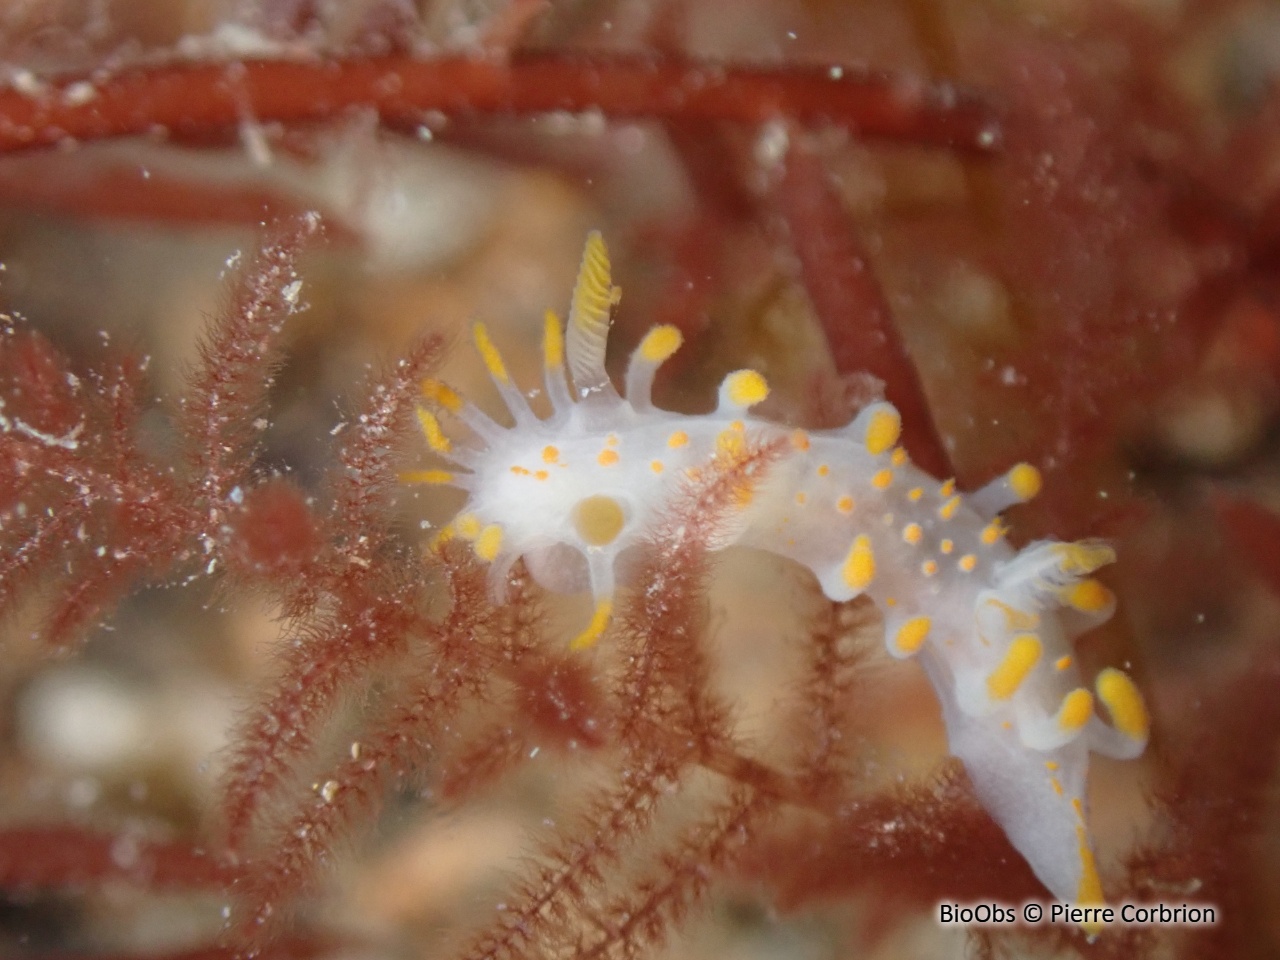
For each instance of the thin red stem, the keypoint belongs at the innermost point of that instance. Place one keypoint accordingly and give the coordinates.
(193, 98)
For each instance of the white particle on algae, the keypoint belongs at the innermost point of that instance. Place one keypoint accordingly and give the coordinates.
(79, 93)
(329, 790)
(291, 291)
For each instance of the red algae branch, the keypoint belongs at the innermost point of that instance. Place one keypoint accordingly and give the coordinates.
(195, 98)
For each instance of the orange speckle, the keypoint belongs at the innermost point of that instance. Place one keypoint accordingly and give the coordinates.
(801, 498)
(520, 471)
(657, 466)
(928, 568)
(882, 479)
(1057, 786)
(967, 562)
(800, 440)
(738, 425)
(947, 489)
(912, 533)
(677, 439)
(845, 505)
(541, 475)
(948, 509)
(915, 493)
(611, 440)
(1062, 663)
(823, 469)
(550, 454)
(946, 546)
(608, 458)
(899, 457)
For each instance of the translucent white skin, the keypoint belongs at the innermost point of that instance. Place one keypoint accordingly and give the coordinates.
(847, 505)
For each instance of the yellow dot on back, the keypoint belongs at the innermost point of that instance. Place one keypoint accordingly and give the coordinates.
(912, 533)
(1124, 702)
(912, 634)
(1089, 891)
(992, 533)
(552, 340)
(1062, 663)
(1077, 707)
(929, 568)
(541, 475)
(882, 430)
(677, 439)
(598, 520)
(660, 343)
(489, 353)
(845, 505)
(800, 440)
(899, 457)
(801, 498)
(441, 394)
(608, 458)
(823, 469)
(946, 546)
(948, 509)
(915, 493)
(860, 565)
(882, 479)
(1019, 661)
(1024, 481)
(729, 443)
(746, 387)
(1088, 596)
(550, 454)
(520, 471)
(489, 542)
(657, 466)
(967, 562)
(947, 489)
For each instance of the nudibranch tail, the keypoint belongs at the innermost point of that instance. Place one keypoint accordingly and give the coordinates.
(991, 626)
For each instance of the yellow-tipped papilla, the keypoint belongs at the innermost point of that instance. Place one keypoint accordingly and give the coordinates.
(654, 350)
(553, 362)
(742, 389)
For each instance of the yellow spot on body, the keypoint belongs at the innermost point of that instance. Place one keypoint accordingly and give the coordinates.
(489, 353)
(611, 440)
(881, 479)
(929, 568)
(860, 565)
(1124, 702)
(489, 542)
(823, 469)
(1078, 806)
(427, 476)
(540, 475)
(1007, 725)
(677, 439)
(899, 457)
(738, 425)
(912, 634)
(890, 601)
(596, 628)
(598, 520)
(1062, 663)
(1076, 709)
(948, 509)
(746, 387)
(882, 431)
(1087, 596)
(946, 546)
(800, 440)
(520, 471)
(467, 525)
(550, 454)
(441, 394)
(915, 493)
(552, 340)
(1056, 784)
(1024, 481)
(912, 533)
(657, 466)
(660, 343)
(801, 498)
(992, 533)
(1051, 765)
(436, 439)
(845, 505)
(967, 563)
(607, 458)
(1019, 661)
(1090, 889)
(947, 489)
(729, 443)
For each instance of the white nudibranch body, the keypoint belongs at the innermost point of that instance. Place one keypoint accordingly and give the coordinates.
(990, 625)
